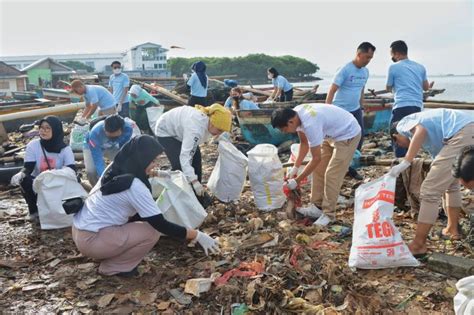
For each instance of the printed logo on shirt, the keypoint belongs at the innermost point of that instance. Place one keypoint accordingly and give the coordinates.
(310, 110)
(357, 79)
(193, 151)
(44, 166)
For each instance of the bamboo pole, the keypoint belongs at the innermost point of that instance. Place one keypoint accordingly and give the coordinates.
(165, 92)
(43, 111)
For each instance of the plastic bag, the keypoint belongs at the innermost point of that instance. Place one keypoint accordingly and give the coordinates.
(376, 241)
(266, 177)
(76, 138)
(153, 113)
(294, 153)
(52, 188)
(228, 176)
(464, 300)
(135, 129)
(177, 201)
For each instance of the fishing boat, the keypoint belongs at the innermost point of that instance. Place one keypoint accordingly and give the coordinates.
(56, 93)
(9, 168)
(3, 95)
(24, 95)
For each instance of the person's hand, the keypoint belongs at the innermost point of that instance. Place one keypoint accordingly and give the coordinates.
(198, 188)
(207, 243)
(185, 77)
(17, 178)
(398, 169)
(82, 121)
(293, 172)
(291, 184)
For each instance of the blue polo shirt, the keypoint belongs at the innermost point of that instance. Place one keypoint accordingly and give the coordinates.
(441, 124)
(351, 81)
(118, 83)
(282, 83)
(97, 94)
(196, 87)
(406, 77)
(243, 105)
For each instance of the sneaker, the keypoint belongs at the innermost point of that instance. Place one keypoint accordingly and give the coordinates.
(323, 220)
(33, 217)
(352, 172)
(128, 274)
(312, 211)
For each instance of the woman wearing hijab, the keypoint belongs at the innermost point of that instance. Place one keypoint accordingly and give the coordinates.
(181, 130)
(46, 153)
(102, 229)
(198, 83)
(140, 100)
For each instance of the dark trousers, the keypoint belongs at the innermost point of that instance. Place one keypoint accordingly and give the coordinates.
(397, 115)
(173, 150)
(196, 100)
(359, 115)
(286, 96)
(30, 196)
(125, 112)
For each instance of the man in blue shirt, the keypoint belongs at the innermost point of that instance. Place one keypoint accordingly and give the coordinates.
(443, 133)
(407, 79)
(104, 139)
(96, 96)
(347, 89)
(118, 86)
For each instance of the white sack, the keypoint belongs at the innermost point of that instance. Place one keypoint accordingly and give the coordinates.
(135, 129)
(153, 113)
(464, 300)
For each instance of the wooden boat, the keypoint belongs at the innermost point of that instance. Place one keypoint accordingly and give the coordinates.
(8, 169)
(56, 93)
(24, 95)
(3, 95)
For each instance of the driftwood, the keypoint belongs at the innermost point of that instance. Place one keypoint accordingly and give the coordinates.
(164, 92)
(452, 266)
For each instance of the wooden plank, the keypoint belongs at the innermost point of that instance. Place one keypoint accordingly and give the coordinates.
(165, 92)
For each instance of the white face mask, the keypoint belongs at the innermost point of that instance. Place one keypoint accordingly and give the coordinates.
(270, 76)
(117, 71)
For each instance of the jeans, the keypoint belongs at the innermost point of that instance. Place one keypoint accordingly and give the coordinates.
(397, 115)
(125, 112)
(173, 150)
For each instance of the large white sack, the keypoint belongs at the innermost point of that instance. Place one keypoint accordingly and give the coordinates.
(464, 300)
(52, 187)
(76, 138)
(228, 176)
(153, 114)
(135, 129)
(266, 177)
(376, 241)
(177, 201)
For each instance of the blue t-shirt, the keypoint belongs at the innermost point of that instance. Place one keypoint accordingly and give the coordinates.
(118, 83)
(243, 105)
(441, 124)
(282, 83)
(96, 141)
(351, 81)
(196, 87)
(406, 77)
(97, 94)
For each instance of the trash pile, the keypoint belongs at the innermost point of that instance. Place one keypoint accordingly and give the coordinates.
(268, 264)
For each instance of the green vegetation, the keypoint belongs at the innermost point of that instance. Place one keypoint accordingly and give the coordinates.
(77, 65)
(248, 67)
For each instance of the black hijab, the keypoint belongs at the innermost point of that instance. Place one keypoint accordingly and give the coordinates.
(130, 163)
(56, 143)
(200, 69)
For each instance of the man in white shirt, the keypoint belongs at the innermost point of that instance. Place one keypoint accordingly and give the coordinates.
(331, 134)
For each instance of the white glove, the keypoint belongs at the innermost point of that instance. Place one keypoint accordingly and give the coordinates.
(119, 107)
(397, 169)
(207, 243)
(198, 188)
(291, 184)
(185, 77)
(17, 178)
(293, 172)
(82, 121)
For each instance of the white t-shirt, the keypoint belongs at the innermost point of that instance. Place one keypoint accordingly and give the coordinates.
(102, 211)
(320, 121)
(188, 125)
(34, 153)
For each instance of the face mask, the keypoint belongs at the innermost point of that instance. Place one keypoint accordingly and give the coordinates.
(236, 97)
(270, 76)
(394, 60)
(117, 70)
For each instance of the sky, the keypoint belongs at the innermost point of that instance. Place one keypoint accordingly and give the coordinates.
(439, 34)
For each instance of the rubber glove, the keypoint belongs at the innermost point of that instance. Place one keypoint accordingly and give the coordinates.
(17, 178)
(207, 243)
(198, 188)
(397, 169)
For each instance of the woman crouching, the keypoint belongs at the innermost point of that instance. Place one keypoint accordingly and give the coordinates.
(101, 229)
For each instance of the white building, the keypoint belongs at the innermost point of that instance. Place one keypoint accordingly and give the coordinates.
(148, 58)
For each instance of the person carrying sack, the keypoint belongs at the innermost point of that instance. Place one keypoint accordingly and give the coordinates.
(103, 228)
(47, 153)
(140, 100)
(181, 130)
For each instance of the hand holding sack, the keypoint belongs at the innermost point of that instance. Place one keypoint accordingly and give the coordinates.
(293, 172)
(291, 184)
(207, 243)
(398, 169)
(198, 188)
(17, 178)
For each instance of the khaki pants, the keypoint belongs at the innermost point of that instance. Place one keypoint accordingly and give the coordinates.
(329, 174)
(119, 248)
(108, 111)
(440, 181)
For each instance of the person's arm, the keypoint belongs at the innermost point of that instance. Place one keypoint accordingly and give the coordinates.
(303, 149)
(332, 91)
(426, 85)
(390, 79)
(311, 166)
(69, 160)
(419, 136)
(361, 100)
(28, 167)
(95, 146)
(125, 90)
(188, 149)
